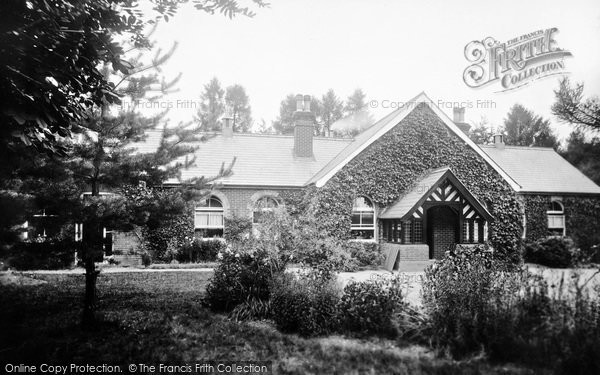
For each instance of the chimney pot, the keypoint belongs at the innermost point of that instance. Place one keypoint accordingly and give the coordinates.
(306, 103)
(459, 119)
(227, 127)
(299, 103)
(499, 141)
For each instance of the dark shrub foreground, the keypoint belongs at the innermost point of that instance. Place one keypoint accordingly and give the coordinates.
(245, 272)
(305, 305)
(556, 252)
(369, 308)
(200, 251)
(476, 303)
(46, 255)
(311, 306)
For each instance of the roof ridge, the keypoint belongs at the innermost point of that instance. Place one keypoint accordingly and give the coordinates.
(541, 148)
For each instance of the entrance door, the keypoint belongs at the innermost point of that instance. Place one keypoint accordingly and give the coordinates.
(442, 230)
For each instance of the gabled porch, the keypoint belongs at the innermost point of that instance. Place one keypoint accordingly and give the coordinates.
(437, 213)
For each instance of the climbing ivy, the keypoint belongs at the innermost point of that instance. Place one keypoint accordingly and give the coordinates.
(392, 164)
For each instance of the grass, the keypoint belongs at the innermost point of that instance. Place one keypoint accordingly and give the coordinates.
(157, 317)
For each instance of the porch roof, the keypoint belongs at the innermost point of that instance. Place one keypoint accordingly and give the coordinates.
(423, 188)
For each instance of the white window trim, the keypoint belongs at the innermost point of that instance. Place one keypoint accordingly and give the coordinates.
(560, 214)
(373, 227)
(209, 210)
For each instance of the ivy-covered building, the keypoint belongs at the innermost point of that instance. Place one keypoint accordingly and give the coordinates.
(413, 182)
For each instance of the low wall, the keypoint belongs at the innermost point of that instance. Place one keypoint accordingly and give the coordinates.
(395, 253)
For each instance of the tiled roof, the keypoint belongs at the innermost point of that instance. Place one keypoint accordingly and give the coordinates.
(412, 197)
(387, 123)
(541, 170)
(261, 160)
(423, 188)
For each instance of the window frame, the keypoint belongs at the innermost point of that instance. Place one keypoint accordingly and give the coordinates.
(553, 213)
(362, 227)
(214, 210)
(256, 209)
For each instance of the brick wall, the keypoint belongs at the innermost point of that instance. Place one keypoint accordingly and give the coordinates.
(395, 253)
(444, 226)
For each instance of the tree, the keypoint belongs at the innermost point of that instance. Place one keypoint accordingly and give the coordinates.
(212, 106)
(332, 110)
(584, 154)
(237, 102)
(357, 116)
(50, 53)
(263, 128)
(571, 107)
(524, 128)
(285, 123)
(105, 159)
(481, 133)
(355, 102)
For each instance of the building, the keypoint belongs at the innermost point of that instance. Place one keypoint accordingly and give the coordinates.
(414, 182)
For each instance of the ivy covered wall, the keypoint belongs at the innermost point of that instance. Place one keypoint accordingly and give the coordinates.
(393, 163)
(582, 215)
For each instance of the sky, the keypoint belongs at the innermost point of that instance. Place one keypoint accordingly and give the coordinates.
(393, 50)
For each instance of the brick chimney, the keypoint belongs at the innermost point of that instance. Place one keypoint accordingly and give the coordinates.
(499, 141)
(304, 127)
(459, 119)
(227, 127)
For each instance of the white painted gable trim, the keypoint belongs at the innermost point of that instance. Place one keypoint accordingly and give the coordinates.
(395, 120)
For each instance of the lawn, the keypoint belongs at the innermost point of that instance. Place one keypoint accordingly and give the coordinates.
(158, 317)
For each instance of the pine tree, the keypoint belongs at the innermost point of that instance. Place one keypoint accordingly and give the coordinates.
(111, 155)
(212, 106)
(332, 111)
(237, 103)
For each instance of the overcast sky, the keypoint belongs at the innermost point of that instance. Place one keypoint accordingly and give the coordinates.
(393, 50)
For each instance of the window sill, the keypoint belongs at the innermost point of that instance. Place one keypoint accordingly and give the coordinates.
(362, 240)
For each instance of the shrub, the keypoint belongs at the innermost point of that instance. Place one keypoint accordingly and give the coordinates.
(146, 258)
(52, 254)
(305, 305)
(366, 254)
(244, 271)
(369, 307)
(325, 256)
(251, 309)
(200, 251)
(476, 302)
(556, 252)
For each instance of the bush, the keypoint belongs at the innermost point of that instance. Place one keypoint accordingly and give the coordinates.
(305, 305)
(47, 255)
(370, 307)
(200, 251)
(366, 254)
(244, 271)
(556, 252)
(251, 309)
(476, 302)
(325, 256)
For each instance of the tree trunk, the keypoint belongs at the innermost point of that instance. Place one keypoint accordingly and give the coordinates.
(89, 303)
(91, 251)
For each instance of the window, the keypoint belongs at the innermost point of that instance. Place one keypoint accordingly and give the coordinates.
(262, 206)
(556, 219)
(208, 218)
(407, 232)
(363, 219)
(474, 231)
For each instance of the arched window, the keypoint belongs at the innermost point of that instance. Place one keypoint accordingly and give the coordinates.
(208, 218)
(262, 206)
(363, 219)
(556, 218)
